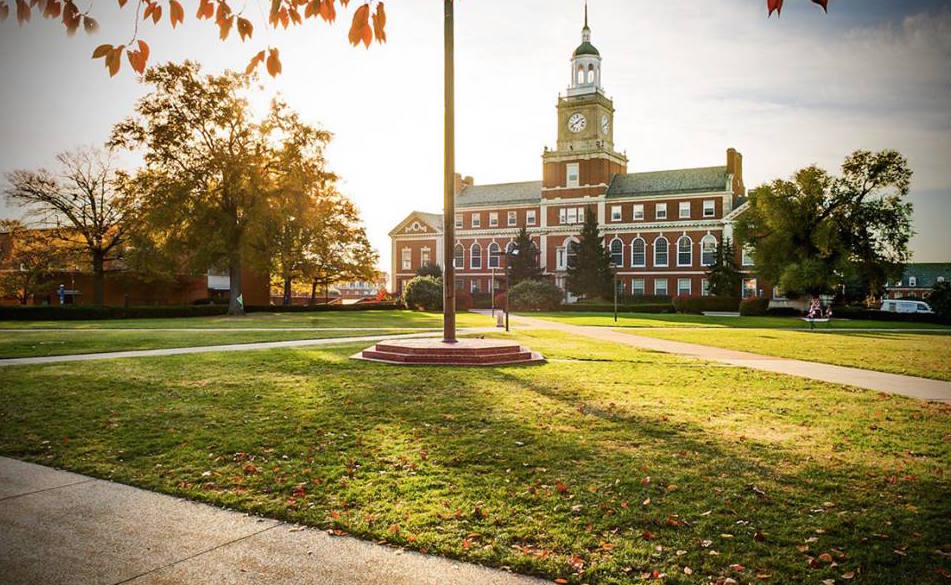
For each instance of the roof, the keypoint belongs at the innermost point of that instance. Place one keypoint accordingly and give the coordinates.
(433, 219)
(698, 180)
(926, 274)
(503, 193)
(586, 48)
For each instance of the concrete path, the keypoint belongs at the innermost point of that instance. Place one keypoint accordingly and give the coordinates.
(82, 357)
(922, 388)
(59, 527)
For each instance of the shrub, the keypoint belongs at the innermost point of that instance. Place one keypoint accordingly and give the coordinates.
(697, 305)
(862, 313)
(464, 301)
(784, 312)
(605, 308)
(940, 299)
(423, 293)
(323, 308)
(631, 300)
(535, 295)
(434, 270)
(754, 307)
(500, 300)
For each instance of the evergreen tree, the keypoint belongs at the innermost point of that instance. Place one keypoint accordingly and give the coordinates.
(590, 276)
(524, 265)
(723, 275)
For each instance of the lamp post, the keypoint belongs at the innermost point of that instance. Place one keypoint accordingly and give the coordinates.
(492, 288)
(508, 263)
(614, 280)
(449, 181)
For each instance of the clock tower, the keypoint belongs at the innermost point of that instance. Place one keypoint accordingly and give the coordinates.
(584, 160)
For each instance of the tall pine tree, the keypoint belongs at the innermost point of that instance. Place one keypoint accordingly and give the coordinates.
(524, 265)
(590, 275)
(723, 275)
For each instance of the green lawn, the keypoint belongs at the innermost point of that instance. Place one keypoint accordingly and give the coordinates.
(916, 354)
(602, 465)
(366, 319)
(78, 341)
(602, 319)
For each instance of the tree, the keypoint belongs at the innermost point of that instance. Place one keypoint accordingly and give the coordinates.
(939, 299)
(343, 251)
(724, 276)
(82, 205)
(206, 169)
(30, 257)
(366, 25)
(524, 265)
(811, 234)
(590, 275)
(431, 269)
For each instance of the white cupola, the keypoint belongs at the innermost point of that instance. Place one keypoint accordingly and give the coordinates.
(585, 64)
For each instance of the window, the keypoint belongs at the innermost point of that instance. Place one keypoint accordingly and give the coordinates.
(407, 258)
(747, 256)
(474, 287)
(638, 253)
(637, 286)
(615, 213)
(709, 208)
(530, 217)
(509, 247)
(749, 287)
(778, 293)
(705, 287)
(660, 287)
(708, 250)
(476, 220)
(684, 210)
(684, 251)
(660, 211)
(475, 256)
(424, 257)
(493, 219)
(913, 281)
(617, 253)
(660, 251)
(459, 220)
(513, 218)
(638, 211)
(494, 255)
(571, 215)
(572, 178)
(571, 253)
(683, 286)
(459, 261)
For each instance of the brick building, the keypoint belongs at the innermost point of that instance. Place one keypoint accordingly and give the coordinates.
(661, 227)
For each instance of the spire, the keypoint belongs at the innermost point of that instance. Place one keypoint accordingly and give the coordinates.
(586, 14)
(586, 32)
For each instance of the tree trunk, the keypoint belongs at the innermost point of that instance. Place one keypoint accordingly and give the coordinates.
(313, 293)
(287, 291)
(234, 272)
(98, 262)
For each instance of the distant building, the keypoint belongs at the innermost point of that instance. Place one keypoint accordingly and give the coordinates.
(918, 280)
(662, 228)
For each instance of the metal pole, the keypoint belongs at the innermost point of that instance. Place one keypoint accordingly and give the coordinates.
(615, 295)
(492, 292)
(449, 192)
(507, 287)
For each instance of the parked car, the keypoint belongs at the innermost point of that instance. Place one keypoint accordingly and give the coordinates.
(896, 306)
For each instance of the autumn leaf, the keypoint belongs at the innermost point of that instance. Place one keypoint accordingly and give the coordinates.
(823, 3)
(379, 23)
(114, 60)
(156, 14)
(4, 11)
(224, 26)
(139, 57)
(273, 63)
(245, 29)
(255, 61)
(122, 3)
(53, 9)
(774, 6)
(176, 13)
(23, 12)
(561, 487)
(327, 10)
(360, 30)
(90, 25)
(101, 51)
(71, 18)
(205, 10)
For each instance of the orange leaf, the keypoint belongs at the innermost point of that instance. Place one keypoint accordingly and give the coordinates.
(156, 14)
(224, 27)
(90, 25)
(205, 9)
(275, 10)
(101, 51)
(295, 16)
(122, 3)
(23, 12)
(273, 63)
(255, 61)
(311, 9)
(147, 13)
(245, 29)
(360, 26)
(53, 8)
(327, 10)
(4, 11)
(176, 13)
(379, 23)
(144, 49)
(114, 60)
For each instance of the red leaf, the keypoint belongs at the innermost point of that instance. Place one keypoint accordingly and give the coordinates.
(122, 3)
(90, 25)
(176, 13)
(23, 12)
(156, 14)
(273, 63)
(648, 535)
(775, 5)
(53, 9)
(561, 487)
(823, 3)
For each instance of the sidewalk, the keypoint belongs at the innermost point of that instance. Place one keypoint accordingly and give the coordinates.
(921, 388)
(59, 527)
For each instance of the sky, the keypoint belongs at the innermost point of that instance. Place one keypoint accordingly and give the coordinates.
(689, 79)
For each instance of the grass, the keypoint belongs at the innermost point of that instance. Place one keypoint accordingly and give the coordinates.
(77, 341)
(600, 466)
(603, 319)
(365, 319)
(916, 354)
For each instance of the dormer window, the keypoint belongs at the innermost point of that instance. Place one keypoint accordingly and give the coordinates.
(913, 281)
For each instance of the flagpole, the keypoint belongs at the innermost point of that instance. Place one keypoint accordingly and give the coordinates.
(449, 193)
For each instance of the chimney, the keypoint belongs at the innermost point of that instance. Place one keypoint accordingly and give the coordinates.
(461, 182)
(734, 166)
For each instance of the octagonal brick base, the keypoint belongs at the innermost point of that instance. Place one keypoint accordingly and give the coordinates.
(465, 352)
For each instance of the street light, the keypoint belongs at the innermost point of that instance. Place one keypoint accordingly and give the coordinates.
(508, 257)
(614, 280)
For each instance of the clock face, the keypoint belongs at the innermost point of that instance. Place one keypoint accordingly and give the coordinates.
(605, 125)
(577, 122)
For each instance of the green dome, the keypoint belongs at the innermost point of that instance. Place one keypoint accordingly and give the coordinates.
(586, 48)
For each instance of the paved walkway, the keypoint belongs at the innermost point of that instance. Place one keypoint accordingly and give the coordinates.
(219, 348)
(922, 388)
(59, 527)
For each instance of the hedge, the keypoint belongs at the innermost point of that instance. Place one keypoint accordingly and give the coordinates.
(754, 307)
(861, 313)
(697, 304)
(96, 313)
(369, 306)
(604, 308)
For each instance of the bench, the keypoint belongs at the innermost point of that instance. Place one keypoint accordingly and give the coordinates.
(812, 321)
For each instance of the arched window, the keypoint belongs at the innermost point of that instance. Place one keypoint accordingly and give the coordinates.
(571, 255)
(509, 247)
(590, 73)
(580, 76)
(660, 251)
(708, 250)
(494, 255)
(617, 252)
(460, 258)
(638, 253)
(684, 251)
(475, 256)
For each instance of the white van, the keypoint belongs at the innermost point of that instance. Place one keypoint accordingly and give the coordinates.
(895, 306)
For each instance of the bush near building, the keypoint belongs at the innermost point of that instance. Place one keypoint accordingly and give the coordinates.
(535, 295)
(754, 307)
(423, 293)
